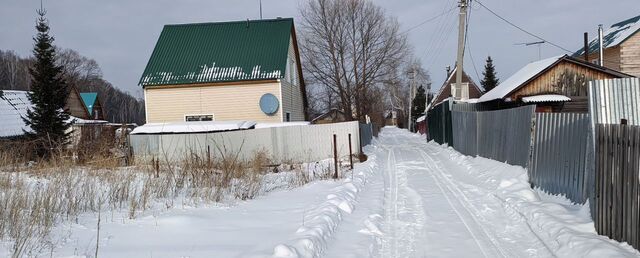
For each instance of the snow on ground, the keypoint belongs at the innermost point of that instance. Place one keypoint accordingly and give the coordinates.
(439, 203)
(409, 199)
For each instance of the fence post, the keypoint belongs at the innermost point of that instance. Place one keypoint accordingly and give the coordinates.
(335, 157)
(350, 154)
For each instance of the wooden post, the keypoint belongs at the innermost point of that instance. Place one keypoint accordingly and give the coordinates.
(350, 154)
(208, 156)
(335, 156)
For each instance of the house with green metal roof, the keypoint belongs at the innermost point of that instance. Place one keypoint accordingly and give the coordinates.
(223, 71)
(621, 47)
(93, 105)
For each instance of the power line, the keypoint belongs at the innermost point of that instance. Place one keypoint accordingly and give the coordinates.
(428, 20)
(520, 28)
(466, 41)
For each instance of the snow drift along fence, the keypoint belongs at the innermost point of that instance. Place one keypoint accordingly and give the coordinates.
(503, 135)
(292, 144)
(561, 149)
(617, 187)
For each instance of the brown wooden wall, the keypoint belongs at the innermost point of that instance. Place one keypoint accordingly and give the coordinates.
(566, 78)
(75, 106)
(630, 56)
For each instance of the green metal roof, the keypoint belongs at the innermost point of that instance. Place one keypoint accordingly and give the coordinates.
(89, 99)
(614, 36)
(219, 52)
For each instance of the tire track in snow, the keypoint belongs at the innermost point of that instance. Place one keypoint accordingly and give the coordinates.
(475, 213)
(404, 214)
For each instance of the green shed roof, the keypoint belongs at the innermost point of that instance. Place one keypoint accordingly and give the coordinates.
(89, 99)
(219, 52)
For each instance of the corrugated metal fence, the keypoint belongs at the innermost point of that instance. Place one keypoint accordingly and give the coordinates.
(617, 194)
(615, 99)
(503, 135)
(292, 144)
(439, 123)
(559, 161)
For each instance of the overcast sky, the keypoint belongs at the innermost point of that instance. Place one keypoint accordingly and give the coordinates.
(121, 34)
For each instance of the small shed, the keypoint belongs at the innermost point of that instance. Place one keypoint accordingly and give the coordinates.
(557, 84)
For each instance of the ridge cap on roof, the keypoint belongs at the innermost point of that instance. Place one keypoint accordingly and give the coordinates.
(229, 22)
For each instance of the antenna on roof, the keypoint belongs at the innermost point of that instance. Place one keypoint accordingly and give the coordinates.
(539, 43)
(260, 9)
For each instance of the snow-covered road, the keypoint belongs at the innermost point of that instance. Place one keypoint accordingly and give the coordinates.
(430, 201)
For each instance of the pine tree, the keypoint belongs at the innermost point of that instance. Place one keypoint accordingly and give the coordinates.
(490, 79)
(49, 91)
(418, 104)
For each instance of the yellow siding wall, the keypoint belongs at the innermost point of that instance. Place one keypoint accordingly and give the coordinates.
(291, 92)
(630, 55)
(226, 102)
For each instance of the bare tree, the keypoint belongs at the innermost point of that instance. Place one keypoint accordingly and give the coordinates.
(349, 47)
(398, 85)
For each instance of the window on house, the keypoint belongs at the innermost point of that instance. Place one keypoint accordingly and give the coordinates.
(194, 118)
(287, 117)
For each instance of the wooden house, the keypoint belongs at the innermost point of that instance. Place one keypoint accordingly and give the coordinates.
(470, 89)
(241, 70)
(557, 84)
(621, 47)
(93, 105)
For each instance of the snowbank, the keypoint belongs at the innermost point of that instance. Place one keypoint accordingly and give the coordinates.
(321, 221)
(566, 229)
(193, 127)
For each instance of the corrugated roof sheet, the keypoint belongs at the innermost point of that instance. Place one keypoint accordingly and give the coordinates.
(13, 107)
(89, 99)
(614, 36)
(219, 52)
(546, 98)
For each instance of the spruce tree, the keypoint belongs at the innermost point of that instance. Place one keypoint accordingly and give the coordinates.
(418, 104)
(490, 79)
(48, 119)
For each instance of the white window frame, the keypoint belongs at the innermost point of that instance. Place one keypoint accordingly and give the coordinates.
(213, 117)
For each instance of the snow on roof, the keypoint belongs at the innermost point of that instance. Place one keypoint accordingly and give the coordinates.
(285, 124)
(518, 78)
(13, 107)
(80, 121)
(546, 98)
(420, 119)
(193, 127)
(468, 100)
(615, 35)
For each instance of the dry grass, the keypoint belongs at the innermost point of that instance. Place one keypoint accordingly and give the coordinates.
(34, 197)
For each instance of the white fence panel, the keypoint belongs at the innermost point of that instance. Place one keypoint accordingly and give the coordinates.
(306, 143)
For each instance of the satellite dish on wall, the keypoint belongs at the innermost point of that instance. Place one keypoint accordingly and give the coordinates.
(269, 104)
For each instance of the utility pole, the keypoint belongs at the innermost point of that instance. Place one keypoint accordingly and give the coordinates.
(461, 30)
(411, 96)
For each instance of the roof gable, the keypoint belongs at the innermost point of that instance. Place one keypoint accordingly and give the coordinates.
(445, 89)
(89, 100)
(533, 70)
(615, 35)
(219, 52)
